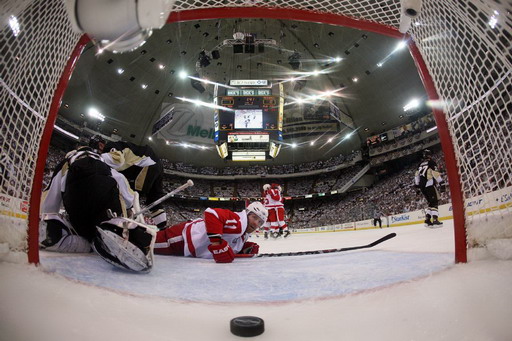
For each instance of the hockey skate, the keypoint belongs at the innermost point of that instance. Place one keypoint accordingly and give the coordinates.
(266, 234)
(436, 224)
(428, 223)
(286, 233)
(275, 235)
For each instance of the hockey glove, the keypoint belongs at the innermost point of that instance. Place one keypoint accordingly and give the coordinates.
(442, 187)
(250, 248)
(222, 253)
(417, 189)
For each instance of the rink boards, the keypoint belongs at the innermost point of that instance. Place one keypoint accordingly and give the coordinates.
(491, 202)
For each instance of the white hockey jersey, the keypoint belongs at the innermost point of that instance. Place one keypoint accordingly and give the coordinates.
(230, 226)
(273, 198)
(52, 196)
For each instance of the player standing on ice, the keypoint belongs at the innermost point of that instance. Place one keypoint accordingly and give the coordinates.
(275, 206)
(142, 168)
(426, 179)
(88, 187)
(219, 235)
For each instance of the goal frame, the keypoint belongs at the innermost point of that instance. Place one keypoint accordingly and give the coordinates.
(265, 13)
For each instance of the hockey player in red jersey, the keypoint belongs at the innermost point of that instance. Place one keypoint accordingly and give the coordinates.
(275, 206)
(219, 235)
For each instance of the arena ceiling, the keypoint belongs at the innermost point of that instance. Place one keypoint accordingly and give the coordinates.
(373, 79)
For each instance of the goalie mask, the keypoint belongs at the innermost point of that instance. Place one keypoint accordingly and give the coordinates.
(95, 141)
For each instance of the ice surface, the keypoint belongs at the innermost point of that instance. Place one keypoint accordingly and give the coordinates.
(405, 289)
(259, 279)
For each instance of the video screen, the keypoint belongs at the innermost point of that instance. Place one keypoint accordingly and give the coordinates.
(249, 119)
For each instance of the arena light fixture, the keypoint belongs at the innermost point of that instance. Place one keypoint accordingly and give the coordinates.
(182, 74)
(401, 45)
(15, 25)
(204, 104)
(412, 104)
(94, 113)
(120, 71)
(493, 20)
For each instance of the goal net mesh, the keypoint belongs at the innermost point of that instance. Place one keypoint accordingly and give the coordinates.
(465, 45)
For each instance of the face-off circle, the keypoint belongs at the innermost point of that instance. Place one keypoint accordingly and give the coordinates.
(247, 326)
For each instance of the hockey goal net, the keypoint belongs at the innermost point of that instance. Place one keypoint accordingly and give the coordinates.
(462, 50)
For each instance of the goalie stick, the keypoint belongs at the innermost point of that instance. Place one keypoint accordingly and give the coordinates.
(189, 183)
(318, 252)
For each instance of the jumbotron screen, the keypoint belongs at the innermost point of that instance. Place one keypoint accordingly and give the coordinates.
(248, 112)
(248, 119)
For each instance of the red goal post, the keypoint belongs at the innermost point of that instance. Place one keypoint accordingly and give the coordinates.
(456, 47)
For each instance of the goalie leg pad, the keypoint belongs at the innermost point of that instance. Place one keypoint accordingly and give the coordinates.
(61, 238)
(122, 253)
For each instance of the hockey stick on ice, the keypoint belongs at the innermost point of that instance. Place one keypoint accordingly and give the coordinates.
(317, 252)
(189, 183)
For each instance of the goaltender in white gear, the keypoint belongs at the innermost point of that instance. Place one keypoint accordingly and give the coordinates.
(88, 189)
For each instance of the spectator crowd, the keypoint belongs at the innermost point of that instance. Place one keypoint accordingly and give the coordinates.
(392, 193)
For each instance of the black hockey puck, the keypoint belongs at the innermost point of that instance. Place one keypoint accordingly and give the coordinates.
(247, 326)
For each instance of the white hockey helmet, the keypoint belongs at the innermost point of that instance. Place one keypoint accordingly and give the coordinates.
(258, 209)
(266, 187)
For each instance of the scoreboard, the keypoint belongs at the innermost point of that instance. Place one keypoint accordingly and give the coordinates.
(249, 113)
(252, 121)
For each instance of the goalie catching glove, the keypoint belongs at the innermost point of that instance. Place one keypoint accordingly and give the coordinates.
(222, 253)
